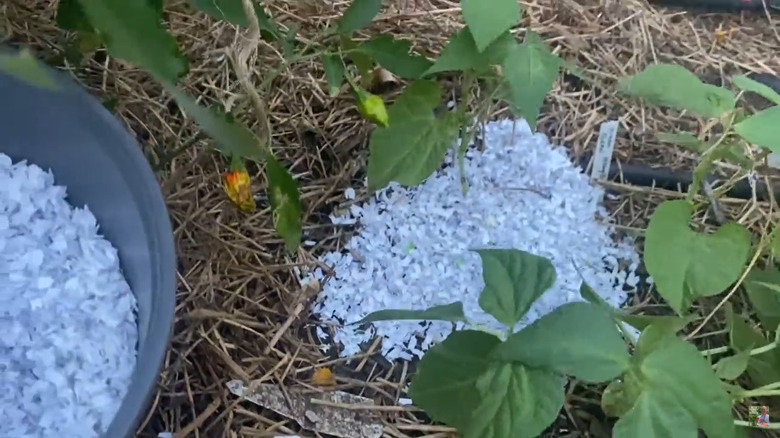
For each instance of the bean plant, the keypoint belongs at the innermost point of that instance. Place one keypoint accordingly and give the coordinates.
(658, 385)
(511, 386)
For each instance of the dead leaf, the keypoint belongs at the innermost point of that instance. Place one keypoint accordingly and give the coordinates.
(334, 417)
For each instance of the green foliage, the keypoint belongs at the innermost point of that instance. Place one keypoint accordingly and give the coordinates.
(746, 84)
(515, 401)
(513, 281)
(395, 56)
(231, 138)
(133, 32)
(686, 265)
(25, 67)
(334, 73)
(489, 388)
(446, 312)
(474, 381)
(731, 367)
(70, 16)
(228, 10)
(762, 129)
(445, 384)
(674, 86)
(461, 53)
(530, 70)
(671, 387)
(592, 349)
(764, 368)
(415, 143)
(763, 298)
(359, 15)
(285, 203)
(487, 22)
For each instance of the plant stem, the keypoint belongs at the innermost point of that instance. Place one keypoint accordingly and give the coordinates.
(466, 133)
(760, 350)
(712, 351)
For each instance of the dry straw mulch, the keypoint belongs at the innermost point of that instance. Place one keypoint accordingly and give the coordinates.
(241, 313)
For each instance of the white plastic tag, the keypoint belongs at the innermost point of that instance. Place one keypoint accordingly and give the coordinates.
(604, 148)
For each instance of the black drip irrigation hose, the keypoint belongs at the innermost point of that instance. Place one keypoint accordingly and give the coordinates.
(722, 5)
(676, 180)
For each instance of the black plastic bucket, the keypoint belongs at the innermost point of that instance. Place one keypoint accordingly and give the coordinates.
(102, 166)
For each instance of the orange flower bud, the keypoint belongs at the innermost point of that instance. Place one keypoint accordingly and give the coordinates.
(237, 186)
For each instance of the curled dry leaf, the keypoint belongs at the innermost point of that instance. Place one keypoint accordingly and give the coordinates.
(323, 377)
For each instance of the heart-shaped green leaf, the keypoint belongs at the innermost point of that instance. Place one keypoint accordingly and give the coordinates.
(577, 339)
(764, 298)
(415, 143)
(686, 265)
(677, 387)
(445, 383)
(514, 279)
(515, 401)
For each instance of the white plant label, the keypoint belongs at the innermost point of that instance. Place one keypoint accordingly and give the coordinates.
(604, 149)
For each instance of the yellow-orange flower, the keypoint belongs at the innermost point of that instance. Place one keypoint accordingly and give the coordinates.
(323, 377)
(237, 186)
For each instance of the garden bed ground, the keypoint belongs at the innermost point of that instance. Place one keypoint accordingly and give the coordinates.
(241, 313)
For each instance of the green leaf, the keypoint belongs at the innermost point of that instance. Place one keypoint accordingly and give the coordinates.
(445, 382)
(488, 21)
(677, 387)
(530, 70)
(26, 68)
(656, 415)
(578, 339)
(746, 84)
(231, 11)
(731, 367)
(774, 242)
(70, 16)
(620, 396)
(447, 312)
(359, 15)
(686, 265)
(515, 401)
(415, 143)
(396, 56)
(730, 152)
(674, 86)
(763, 297)
(461, 53)
(763, 368)
(285, 203)
(762, 128)
(231, 138)
(133, 32)
(685, 139)
(671, 323)
(334, 73)
(514, 279)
